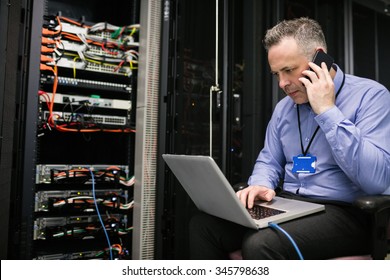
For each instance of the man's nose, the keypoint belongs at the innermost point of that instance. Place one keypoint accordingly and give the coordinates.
(283, 81)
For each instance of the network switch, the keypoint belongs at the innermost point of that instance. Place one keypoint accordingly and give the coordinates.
(91, 101)
(67, 117)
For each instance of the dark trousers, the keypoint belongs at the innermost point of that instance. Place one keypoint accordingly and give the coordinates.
(336, 232)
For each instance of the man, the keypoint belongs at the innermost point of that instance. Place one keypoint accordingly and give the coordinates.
(342, 124)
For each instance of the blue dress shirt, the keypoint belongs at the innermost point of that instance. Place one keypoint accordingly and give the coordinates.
(352, 145)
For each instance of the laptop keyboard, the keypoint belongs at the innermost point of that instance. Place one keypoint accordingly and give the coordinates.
(260, 212)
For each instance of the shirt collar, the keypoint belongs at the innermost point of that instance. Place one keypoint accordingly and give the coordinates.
(338, 78)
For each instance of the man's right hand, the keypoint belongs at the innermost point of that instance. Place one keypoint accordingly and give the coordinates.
(248, 195)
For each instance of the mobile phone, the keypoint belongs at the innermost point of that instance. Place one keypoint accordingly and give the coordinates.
(320, 56)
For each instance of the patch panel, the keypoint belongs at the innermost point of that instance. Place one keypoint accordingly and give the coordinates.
(83, 83)
(70, 62)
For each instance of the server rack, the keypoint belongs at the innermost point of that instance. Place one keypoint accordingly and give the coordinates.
(74, 196)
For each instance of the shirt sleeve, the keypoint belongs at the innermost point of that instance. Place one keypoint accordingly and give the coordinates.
(269, 166)
(362, 148)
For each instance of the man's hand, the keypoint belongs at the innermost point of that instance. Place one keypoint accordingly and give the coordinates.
(320, 88)
(248, 195)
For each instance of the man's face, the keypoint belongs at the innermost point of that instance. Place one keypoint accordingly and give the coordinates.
(287, 63)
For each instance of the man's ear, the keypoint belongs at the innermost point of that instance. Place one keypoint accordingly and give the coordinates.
(321, 48)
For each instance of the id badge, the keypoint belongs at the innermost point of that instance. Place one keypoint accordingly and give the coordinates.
(304, 164)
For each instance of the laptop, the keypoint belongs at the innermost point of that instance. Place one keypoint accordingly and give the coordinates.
(211, 192)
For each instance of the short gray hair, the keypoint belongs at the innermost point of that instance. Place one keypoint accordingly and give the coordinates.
(307, 33)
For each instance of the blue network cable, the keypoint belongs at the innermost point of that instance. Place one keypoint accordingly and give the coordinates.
(98, 213)
(276, 226)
